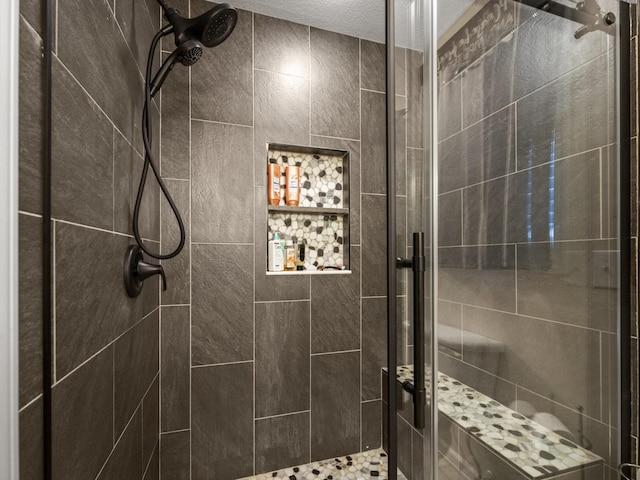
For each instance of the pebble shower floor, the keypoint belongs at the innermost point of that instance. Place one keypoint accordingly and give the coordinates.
(359, 466)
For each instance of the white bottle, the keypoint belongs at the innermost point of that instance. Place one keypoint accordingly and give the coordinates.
(275, 254)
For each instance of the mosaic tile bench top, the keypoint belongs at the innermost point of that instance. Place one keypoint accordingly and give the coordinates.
(527, 445)
(359, 466)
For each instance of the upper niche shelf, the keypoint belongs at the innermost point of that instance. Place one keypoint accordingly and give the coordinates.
(328, 210)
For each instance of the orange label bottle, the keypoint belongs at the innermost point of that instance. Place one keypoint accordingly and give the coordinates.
(293, 186)
(273, 185)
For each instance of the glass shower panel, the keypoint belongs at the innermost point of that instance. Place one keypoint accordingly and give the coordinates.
(527, 241)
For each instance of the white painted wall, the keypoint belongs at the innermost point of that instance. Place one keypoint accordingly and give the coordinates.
(9, 27)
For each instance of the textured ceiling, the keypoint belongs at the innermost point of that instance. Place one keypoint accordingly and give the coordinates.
(358, 18)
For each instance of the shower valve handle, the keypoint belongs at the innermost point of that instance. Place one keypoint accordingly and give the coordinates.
(146, 270)
(136, 271)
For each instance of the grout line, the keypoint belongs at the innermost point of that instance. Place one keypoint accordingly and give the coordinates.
(241, 362)
(53, 304)
(310, 359)
(223, 243)
(320, 354)
(29, 403)
(190, 352)
(253, 190)
(29, 214)
(182, 430)
(204, 120)
(283, 301)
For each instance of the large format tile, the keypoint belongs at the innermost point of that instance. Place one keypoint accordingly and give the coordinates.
(282, 346)
(482, 276)
(127, 169)
(175, 335)
(82, 414)
(556, 282)
(449, 108)
(536, 352)
(150, 421)
(222, 304)
(372, 66)
(221, 185)
(31, 10)
(138, 29)
(282, 442)
(82, 182)
(174, 455)
(221, 82)
(92, 307)
(335, 82)
(374, 245)
(126, 459)
(335, 309)
(566, 116)
(374, 148)
(175, 125)
(30, 307)
(98, 56)
(478, 153)
(31, 115)
(280, 46)
(136, 365)
(152, 471)
(335, 405)
(415, 108)
(222, 422)
(32, 442)
(450, 223)
(371, 425)
(281, 115)
(374, 345)
(177, 269)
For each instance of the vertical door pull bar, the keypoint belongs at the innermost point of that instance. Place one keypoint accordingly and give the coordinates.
(417, 388)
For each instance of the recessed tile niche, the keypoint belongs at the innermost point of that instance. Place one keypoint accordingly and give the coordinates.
(321, 219)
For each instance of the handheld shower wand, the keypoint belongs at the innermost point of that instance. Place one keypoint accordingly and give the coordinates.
(191, 36)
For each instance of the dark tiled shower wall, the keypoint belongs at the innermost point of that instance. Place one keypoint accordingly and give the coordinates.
(521, 115)
(260, 372)
(106, 347)
(635, 215)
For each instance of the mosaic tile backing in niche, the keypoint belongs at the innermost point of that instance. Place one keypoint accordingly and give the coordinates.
(322, 233)
(360, 466)
(322, 177)
(530, 447)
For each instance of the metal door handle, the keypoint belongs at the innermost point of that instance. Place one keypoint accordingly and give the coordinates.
(417, 263)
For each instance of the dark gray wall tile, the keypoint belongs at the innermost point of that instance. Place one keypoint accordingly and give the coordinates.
(415, 110)
(274, 287)
(374, 345)
(127, 171)
(282, 442)
(281, 115)
(372, 66)
(374, 148)
(371, 425)
(138, 29)
(98, 56)
(152, 471)
(31, 10)
(374, 245)
(136, 366)
(82, 414)
(222, 422)
(282, 348)
(222, 304)
(565, 117)
(221, 161)
(280, 46)
(30, 308)
(450, 108)
(82, 158)
(335, 92)
(404, 447)
(176, 124)
(535, 353)
(482, 276)
(557, 283)
(177, 269)
(175, 336)
(31, 113)
(418, 178)
(92, 307)
(126, 459)
(353, 147)
(221, 82)
(150, 421)
(418, 455)
(478, 153)
(31, 442)
(335, 405)
(335, 309)
(175, 453)
(450, 224)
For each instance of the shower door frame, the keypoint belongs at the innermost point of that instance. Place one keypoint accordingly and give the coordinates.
(624, 112)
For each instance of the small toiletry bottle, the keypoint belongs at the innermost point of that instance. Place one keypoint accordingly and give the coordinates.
(275, 253)
(273, 174)
(290, 257)
(293, 186)
(300, 256)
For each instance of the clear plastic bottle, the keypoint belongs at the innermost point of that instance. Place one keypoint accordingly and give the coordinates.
(290, 256)
(275, 254)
